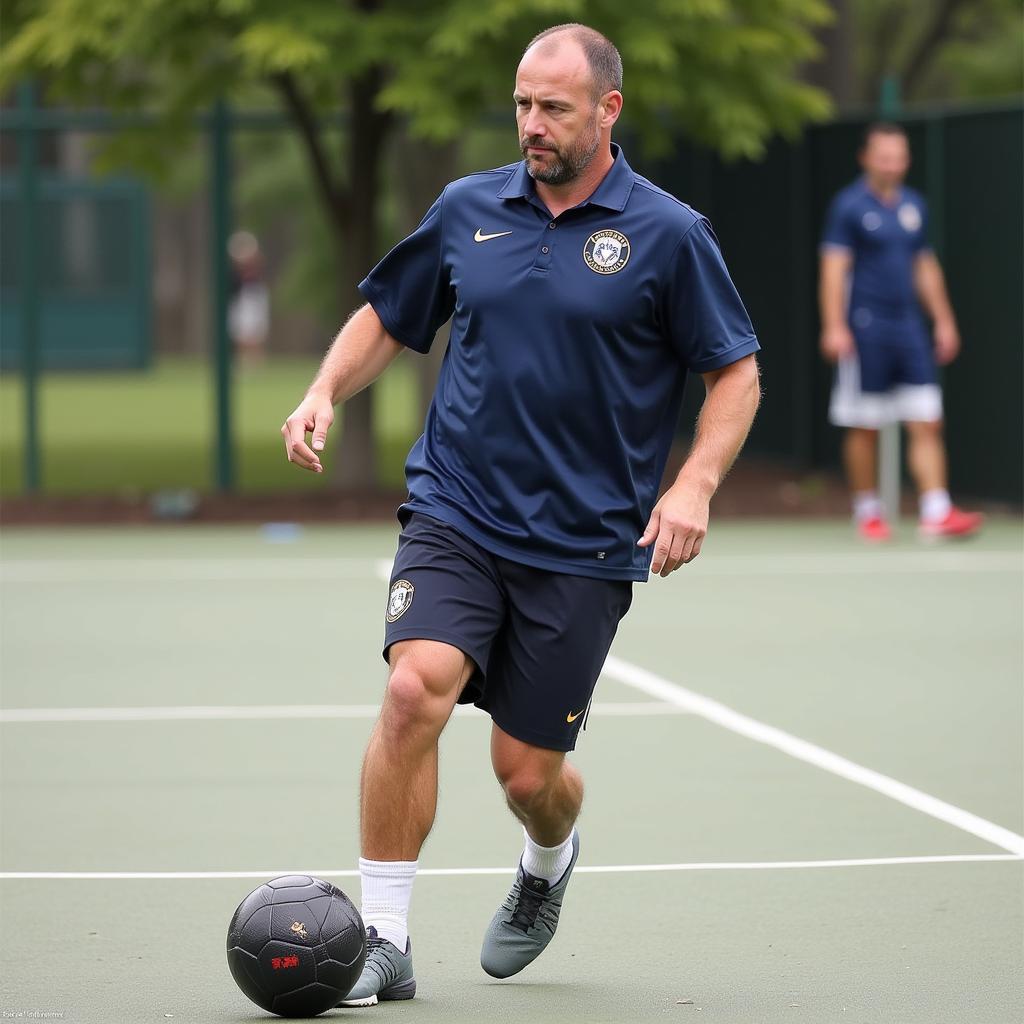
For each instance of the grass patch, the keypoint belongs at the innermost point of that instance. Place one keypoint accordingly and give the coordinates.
(131, 433)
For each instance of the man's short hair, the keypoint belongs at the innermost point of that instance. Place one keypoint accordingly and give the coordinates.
(602, 57)
(882, 128)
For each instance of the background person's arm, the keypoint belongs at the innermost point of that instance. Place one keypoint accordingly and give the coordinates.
(357, 357)
(930, 284)
(836, 338)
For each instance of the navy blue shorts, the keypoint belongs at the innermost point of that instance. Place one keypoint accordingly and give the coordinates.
(538, 638)
(892, 353)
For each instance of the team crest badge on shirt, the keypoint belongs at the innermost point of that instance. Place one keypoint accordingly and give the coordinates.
(909, 217)
(606, 251)
(400, 599)
(871, 220)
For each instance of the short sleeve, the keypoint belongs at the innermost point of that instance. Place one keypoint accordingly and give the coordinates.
(704, 316)
(840, 225)
(410, 289)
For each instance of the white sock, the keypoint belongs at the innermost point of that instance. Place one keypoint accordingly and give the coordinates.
(866, 505)
(387, 892)
(547, 862)
(935, 505)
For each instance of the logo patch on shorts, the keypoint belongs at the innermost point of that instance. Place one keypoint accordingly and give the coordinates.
(400, 599)
(606, 251)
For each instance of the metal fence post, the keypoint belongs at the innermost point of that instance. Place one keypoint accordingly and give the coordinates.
(220, 226)
(28, 182)
(803, 343)
(890, 459)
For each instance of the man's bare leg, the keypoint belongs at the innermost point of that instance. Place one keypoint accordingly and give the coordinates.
(398, 796)
(860, 457)
(927, 458)
(545, 793)
(926, 455)
(542, 789)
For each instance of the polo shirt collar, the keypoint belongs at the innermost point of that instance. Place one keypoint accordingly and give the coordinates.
(866, 190)
(612, 193)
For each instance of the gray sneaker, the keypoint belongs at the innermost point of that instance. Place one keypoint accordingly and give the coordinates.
(386, 975)
(525, 923)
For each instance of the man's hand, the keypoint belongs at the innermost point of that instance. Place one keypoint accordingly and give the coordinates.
(947, 341)
(837, 343)
(357, 357)
(315, 414)
(677, 528)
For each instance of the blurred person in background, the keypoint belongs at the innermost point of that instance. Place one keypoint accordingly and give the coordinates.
(877, 270)
(249, 308)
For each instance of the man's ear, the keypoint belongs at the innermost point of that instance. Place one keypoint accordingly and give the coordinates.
(611, 107)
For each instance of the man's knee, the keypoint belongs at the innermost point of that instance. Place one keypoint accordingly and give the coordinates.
(422, 688)
(927, 430)
(525, 786)
(526, 773)
(408, 702)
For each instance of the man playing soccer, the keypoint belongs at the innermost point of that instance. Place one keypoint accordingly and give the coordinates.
(886, 372)
(580, 297)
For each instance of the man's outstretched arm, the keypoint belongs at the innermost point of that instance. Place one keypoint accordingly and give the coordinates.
(357, 357)
(679, 521)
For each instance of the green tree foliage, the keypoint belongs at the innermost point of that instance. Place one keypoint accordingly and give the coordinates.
(942, 50)
(721, 71)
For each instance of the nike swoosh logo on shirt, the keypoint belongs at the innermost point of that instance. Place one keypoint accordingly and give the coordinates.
(481, 237)
(570, 718)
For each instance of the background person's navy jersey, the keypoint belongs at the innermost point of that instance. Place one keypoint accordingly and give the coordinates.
(884, 241)
(570, 344)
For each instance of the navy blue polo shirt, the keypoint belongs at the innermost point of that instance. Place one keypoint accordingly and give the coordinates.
(884, 240)
(571, 339)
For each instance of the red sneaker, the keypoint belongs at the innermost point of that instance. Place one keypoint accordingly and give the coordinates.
(956, 524)
(875, 530)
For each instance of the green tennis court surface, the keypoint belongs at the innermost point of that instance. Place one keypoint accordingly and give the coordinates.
(804, 771)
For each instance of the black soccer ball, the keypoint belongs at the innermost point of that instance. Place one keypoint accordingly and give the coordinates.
(296, 946)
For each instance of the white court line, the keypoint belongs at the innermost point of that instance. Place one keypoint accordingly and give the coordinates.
(661, 689)
(272, 712)
(585, 869)
(713, 711)
(156, 570)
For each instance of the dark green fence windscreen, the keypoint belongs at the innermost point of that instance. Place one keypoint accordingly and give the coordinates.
(768, 217)
(95, 276)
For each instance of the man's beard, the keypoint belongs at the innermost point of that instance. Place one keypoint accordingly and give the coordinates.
(569, 163)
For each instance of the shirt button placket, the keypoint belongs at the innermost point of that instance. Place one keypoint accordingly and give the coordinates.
(544, 256)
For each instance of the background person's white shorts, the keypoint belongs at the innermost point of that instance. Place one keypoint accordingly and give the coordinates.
(249, 314)
(851, 407)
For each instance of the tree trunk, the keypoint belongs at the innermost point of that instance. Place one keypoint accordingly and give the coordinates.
(881, 45)
(938, 32)
(423, 170)
(833, 70)
(356, 466)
